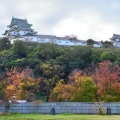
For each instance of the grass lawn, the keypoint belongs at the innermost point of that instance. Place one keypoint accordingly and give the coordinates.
(58, 117)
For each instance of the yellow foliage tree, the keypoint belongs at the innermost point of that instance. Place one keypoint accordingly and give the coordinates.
(62, 92)
(80, 88)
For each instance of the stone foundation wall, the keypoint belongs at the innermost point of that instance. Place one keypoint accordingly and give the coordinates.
(63, 107)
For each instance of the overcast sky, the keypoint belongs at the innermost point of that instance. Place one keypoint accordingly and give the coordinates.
(95, 19)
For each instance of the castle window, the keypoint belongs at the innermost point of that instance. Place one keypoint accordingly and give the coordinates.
(42, 39)
(117, 39)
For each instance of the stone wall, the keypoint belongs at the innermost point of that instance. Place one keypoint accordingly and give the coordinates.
(63, 107)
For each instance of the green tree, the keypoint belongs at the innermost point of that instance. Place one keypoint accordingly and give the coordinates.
(52, 74)
(46, 51)
(5, 44)
(3, 99)
(83, 87)
(107, 44)
(108, 55)
(20, 49)
(90, 42)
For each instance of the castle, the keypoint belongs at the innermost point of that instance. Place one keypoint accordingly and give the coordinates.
(115, 40)
(21, 29)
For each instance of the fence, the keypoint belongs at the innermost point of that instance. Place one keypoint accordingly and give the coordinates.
(63, 107)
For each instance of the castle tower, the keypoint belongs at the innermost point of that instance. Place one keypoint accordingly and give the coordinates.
(18, 28)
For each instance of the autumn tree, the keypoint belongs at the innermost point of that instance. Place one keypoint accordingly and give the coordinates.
(62, 92)
(108, 81)
(21, 82)
(83, 87)
(80, 88)
(72, 37)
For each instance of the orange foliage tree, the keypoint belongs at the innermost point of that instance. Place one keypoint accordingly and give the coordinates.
(62, 92)
(107, 78)
(21, 82)
(80, 88)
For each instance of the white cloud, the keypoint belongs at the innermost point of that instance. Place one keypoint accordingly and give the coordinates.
(86, 24)
(96, 19)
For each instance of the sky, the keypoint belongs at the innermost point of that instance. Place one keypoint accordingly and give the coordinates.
(87, 19)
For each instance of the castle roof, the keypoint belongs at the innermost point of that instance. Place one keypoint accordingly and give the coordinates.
(115, 36)
(29, 34)
(63, 38)
(25, 28)
(78, 41)
(47, 36)
(20, 22)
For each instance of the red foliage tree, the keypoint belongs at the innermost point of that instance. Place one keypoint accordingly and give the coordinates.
(108, 81)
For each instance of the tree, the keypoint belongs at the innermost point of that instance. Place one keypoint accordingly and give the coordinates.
(2, 90)
(107, 44)
(3, 99)
(5, 44)
(62, 92)
(83, 87)
(90, 42)
(108, 81)
(80, 88)
(108, 55)
(72, 37)
(22, 83)
(46, 51)
(20, 49)
(51, 76)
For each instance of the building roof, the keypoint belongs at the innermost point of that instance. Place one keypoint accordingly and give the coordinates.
(5, 32)
(79, 41)
(23, 25)
(97, 42)
(46, 36)
(63, 38)
(25, 28)
(66, 38)
(29, 34)
(115, 36)
(21, 21)
(17, 21)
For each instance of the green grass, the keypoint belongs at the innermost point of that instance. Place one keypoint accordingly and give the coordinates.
(58, 117)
